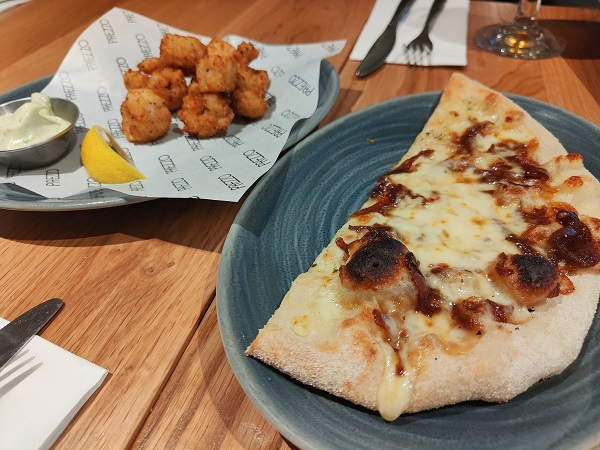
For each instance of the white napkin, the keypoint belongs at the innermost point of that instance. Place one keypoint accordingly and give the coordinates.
(448, 34)
(41, 390)
(7, 4)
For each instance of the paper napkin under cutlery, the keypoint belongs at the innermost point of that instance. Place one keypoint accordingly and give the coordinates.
(448, 34)
(41, 390)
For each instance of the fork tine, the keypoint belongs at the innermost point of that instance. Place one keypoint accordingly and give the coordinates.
(421, 47)
(422, 56)
(418, 49)
(411, 53)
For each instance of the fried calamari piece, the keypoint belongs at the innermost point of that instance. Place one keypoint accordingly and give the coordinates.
(145, 116)
(205, 115)
(194, 88)
(217, 47)
(181, 52)
(149, 65)
(248, 104)
(245, 53)
(135, 80)
(248, 99)
(252, 79)
(215, 73)
(170, 84)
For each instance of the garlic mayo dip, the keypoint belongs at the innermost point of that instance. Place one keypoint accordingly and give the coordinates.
(31, 123)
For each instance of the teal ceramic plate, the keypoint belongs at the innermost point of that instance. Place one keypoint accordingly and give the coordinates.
(13, 197)
(293, 213)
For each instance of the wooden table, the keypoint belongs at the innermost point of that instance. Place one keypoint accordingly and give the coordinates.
(139, 280)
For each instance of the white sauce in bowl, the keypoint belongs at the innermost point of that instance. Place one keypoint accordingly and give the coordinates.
(31, 123)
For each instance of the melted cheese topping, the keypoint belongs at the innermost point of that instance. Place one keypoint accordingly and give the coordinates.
(463, 227)
(394, 391)
(460, 225)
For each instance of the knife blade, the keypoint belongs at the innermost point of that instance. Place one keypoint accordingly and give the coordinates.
(16, 334)
(385, 43)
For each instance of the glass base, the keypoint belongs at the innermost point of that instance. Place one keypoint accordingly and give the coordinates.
(512, 41)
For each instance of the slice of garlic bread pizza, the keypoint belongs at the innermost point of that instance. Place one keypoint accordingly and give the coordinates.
(470, 273)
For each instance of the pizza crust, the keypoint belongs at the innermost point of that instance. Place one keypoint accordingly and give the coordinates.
(505, 362)
(343, 353)
(511, 358)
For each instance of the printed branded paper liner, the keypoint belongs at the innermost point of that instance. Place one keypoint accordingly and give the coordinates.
(177, 165)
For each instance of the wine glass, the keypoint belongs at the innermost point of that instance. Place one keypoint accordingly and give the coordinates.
(523, 37)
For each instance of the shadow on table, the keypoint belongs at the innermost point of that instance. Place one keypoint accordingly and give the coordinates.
(581, 38)
(187, 222)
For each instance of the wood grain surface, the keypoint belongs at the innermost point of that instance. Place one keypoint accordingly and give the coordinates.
(139, 280)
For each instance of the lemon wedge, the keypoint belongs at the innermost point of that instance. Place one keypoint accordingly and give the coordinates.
(105, 160)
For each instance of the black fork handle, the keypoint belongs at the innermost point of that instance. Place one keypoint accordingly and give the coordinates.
(434, 12)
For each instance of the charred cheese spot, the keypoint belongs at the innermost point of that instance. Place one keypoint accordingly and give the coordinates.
(528, 278)
(491, 99)
(382, 263)
(481, 221)
(574, 182)
(574, 157)
(378, 262)
(513, 116)
(349, 323)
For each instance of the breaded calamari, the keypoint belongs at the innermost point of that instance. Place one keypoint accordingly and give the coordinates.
(245, 53)
(181, 52)
(218, 47)
(205, 115)
(216, 73)
(135, 80)
(145, 116)
(248, 98)
(150, 65)
(170, 84)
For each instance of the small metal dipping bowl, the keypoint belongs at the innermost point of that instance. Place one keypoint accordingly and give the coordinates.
(46, 152)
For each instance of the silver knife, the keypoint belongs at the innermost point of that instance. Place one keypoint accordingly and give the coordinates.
(385, 43)
(16, 334)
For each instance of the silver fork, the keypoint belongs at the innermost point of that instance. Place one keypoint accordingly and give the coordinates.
(419, 50)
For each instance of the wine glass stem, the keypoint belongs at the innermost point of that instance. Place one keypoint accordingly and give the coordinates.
(527, 12)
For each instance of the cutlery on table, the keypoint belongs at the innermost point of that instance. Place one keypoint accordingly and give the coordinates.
(16, 334)
(421, 46)
(385, 43)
